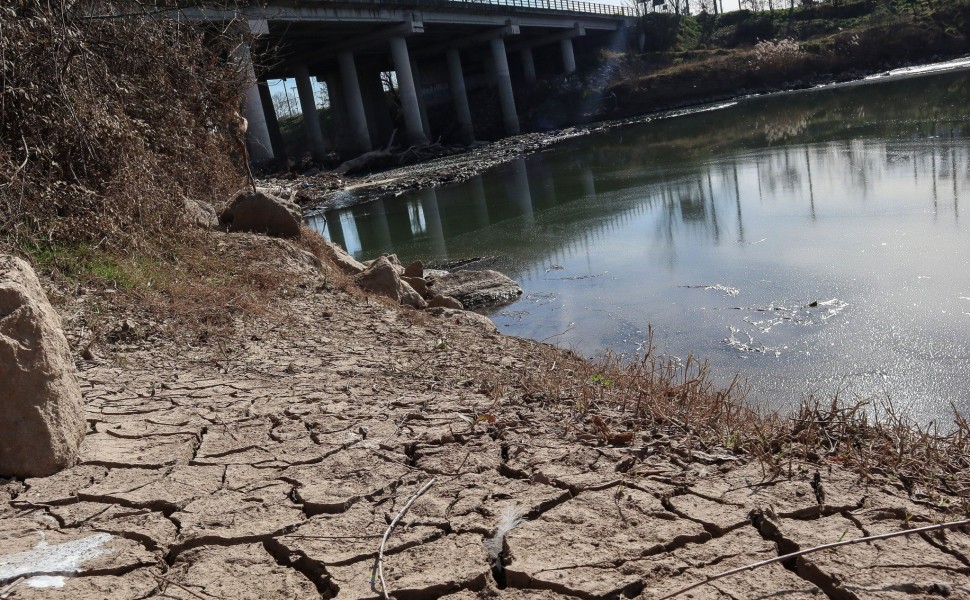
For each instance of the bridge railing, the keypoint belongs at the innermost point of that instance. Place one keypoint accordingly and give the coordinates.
(576, 6)
(572, 6)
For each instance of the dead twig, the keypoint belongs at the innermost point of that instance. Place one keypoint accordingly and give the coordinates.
(182, 587)
(6, 591)
(871, 538)
(390, 528)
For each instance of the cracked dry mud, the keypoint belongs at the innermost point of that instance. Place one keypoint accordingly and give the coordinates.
(272, 466)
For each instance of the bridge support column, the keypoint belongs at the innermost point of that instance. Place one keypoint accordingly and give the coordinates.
(504, 81)
(568, 56)
(258, 143)
(311, 119)
(528, 66)
(338, 112)
(456, 79)
(360, 135)
(409, 97)
(419, 90)
(379, 122)
(272, 123)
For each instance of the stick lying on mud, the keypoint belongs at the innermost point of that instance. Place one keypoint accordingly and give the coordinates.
(871, 538)
(390, 528)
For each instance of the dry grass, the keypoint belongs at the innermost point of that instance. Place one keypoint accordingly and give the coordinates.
(619, 400)
(108, 124)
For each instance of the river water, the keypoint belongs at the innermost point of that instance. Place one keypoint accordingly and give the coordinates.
(810, 241)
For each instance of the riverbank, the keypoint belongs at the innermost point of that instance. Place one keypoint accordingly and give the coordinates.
(269, 460)
(322, 191)
(256, 424)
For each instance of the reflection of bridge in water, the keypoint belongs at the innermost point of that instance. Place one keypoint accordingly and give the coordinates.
(555, 207)
(442, 52)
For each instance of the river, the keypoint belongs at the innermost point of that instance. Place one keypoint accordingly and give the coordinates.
(810, 241)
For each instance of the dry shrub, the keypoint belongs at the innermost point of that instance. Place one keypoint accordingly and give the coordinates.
(617, 397)
(776, 55)
(108, 123)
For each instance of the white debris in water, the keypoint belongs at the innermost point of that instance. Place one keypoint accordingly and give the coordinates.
(45, 581)
(728, 291)
(65, 558)
(750, 345)
(832, 307)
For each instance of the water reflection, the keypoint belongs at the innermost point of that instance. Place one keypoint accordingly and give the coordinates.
(844, 198)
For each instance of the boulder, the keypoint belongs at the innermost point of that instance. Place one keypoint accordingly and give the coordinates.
(418, 283)
(260, 212)
(476, 288)
(41, 413)
(411, 297)
(445, 302)
(345, 262)
(415, 269)
(382, 277)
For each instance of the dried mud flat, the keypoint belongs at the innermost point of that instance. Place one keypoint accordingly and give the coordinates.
(271, 466)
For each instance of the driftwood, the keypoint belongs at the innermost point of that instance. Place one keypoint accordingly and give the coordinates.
(387, 534)
(363, 161)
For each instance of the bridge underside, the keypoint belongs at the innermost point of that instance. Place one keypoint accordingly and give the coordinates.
(448, 59)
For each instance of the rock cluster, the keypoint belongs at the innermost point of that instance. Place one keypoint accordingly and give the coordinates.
(417, 287)
(41, 416)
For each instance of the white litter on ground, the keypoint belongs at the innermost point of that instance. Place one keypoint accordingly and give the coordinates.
(46, 563)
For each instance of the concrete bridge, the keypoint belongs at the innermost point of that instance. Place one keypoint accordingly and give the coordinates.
(442, 53)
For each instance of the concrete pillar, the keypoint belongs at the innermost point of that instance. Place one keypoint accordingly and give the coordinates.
(360, 135)
(503, 79)
(258, 143)
(338, 113)
(405, 88)
(311, 120)
(272, 123)
(568, 56)
(528, 66)
(456, 79)
(419, 90)
(375, 105)
(618, 39)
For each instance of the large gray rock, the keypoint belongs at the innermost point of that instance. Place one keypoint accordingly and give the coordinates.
(445, 302)
(475, 288)
(259, 212)
(418, 283)
(382, 277)
(41, 413)
(344, 261)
